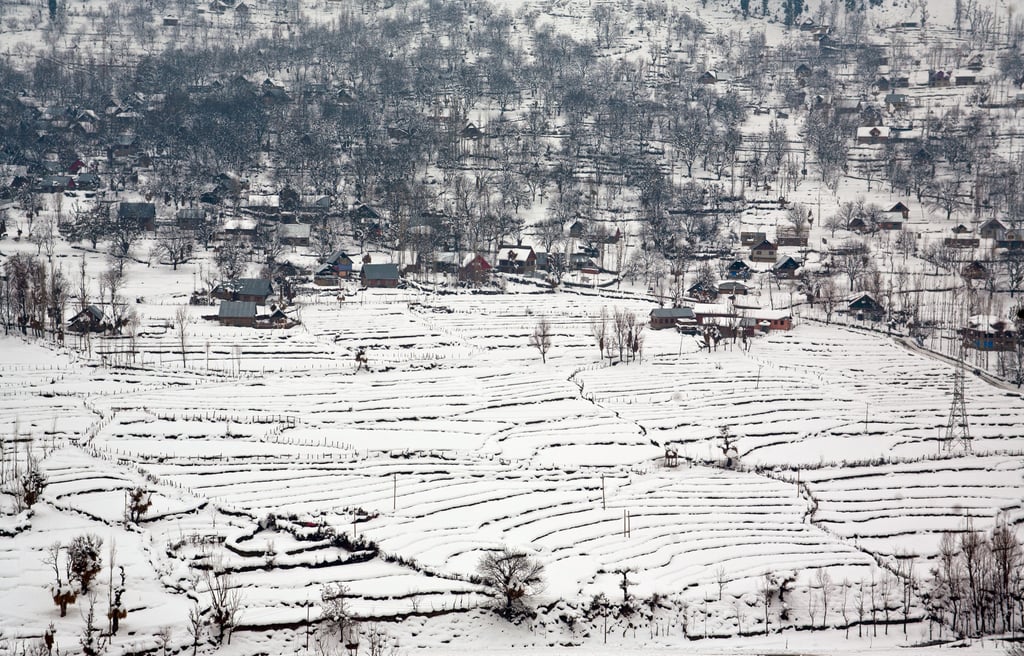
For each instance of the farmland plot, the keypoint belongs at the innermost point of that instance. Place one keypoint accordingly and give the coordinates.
(459, 440)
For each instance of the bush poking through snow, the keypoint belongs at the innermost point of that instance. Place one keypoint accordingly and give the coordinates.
(84, 559)
(513, 576)
(31, 485)
(139, 501)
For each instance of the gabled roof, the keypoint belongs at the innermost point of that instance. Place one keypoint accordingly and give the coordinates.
(672, 313)
(993, 223)
(738, 265)
(763, 244)
(237, 309)
(898, 207)
(787, 261)
(386, 271)
(519, 253)
(248, 286)
(476, 257)
(990, 323)
(91, 312)
(339, 257)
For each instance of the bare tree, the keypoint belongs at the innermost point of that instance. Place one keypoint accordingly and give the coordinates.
(175, 245)
(194, 626)
(599, 330)
(225, 599)
(540, 339)
(824, 582)
(181, 323)
(511, 575)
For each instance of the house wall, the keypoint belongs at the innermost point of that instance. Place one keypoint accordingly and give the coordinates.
(239, 322)
(374, 282)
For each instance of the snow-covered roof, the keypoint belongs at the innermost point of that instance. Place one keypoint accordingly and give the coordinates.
(989, 323)
(879, 131)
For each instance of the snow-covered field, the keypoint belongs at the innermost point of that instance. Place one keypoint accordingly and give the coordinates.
(459, 440)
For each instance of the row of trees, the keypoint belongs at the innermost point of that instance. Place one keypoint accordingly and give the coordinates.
(977, 584)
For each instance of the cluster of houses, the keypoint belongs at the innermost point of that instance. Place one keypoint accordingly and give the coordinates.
(729, 320)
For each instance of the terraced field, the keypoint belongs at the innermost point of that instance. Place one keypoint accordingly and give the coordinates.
(459, 440)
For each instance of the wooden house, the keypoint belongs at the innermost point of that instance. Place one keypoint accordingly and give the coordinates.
(974, 270)
(732, 288)
(703, 291)
(294, 234)
(751, 238)
(874, 135)
(143, 213)
(785, 267)
(708, 77)
(661, 318)
(474, 268)
(989, 333)
(517, 259)
(864, 307)
(738, 270)
(901, 209)
(89, 320)
(765, 251)
(251, 290)
(237, 313)
(769, 320)
(190, 218)
(380, 275)
(992, 229)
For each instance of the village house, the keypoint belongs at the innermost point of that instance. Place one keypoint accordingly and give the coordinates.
(874, 135)
(338, 265)
(294, 234)
(474, 268)
(661, 318)
(143, 213)
(989, 333)
(240, 226)
(974, 270)
(738, 270)
(703, 291)
(708, 77)
(764, 251)
(517, 259)
(732, 288)
(253, 290)
(237, 313)
(88, 181)
(863, 306)
(901, 209)
(769, 320)
(380, 275)
(89, 320)
(190, 218)
(785, 267)
(896, 101)
(992, 229)
(751, 238)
